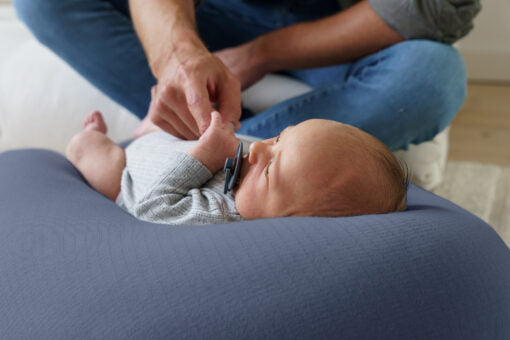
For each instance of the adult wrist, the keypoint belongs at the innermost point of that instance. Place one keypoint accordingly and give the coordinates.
(264, 58)
(181, 45)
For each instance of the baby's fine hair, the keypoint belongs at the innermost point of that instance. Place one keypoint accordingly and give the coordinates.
(376, 184)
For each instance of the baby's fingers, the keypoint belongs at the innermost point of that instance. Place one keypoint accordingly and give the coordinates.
(218, 124)
(216, 120)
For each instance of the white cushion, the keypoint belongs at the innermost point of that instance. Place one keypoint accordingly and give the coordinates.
(271, 90)
(427, 161)
(43, 102)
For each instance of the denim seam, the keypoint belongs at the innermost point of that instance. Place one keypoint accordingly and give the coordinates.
(358, 74)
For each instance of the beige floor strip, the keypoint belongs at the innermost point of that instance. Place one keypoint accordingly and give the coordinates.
(483, 189)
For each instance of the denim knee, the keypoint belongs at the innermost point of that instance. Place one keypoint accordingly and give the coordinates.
(435, 75)
(42, 17)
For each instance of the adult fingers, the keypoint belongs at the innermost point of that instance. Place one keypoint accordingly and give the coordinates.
(167, 119)
(170, 122)
(229, 100)
(170, 129)
(162, 123)
(177, 103)
(155, 116)
(199, 104)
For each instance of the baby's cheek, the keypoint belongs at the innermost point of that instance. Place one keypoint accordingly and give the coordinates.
(241, 203)
(247, 207)
(245, 198)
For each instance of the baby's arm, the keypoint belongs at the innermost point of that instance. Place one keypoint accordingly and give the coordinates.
(177, 197)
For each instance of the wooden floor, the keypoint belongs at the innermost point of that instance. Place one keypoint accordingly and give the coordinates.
(481, 130)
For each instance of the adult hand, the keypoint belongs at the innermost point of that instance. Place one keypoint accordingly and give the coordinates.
(245, 63)
(193, 83)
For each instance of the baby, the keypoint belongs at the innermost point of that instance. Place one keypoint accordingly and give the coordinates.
(316, 168)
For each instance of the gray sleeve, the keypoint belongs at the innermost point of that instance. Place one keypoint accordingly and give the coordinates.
(177, 197)
(441, 20)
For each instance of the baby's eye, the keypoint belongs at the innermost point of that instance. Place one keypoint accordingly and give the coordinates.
(277, 138)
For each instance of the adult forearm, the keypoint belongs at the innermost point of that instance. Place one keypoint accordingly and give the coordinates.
(337, 39)
(164, 28)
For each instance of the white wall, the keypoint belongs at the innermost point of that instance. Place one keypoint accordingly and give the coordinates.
(487, 48)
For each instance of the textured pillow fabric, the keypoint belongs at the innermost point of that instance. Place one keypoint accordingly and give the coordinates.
(75, 266)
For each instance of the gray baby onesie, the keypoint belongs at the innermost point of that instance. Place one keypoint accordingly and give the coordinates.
(161, 183)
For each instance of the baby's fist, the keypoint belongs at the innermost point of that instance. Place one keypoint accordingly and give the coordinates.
(216, 144)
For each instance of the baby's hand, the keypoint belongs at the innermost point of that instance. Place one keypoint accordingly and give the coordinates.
(216, 144)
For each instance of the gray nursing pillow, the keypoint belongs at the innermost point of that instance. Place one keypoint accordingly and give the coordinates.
(74, 265)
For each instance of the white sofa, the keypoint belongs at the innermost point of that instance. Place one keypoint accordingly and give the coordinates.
(43, 102)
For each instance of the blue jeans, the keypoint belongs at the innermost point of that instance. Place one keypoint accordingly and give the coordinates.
(404, 94)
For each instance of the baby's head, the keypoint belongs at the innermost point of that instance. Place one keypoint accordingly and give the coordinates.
(320, 168)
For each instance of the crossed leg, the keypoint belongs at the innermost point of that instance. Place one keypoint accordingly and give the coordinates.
(97, 157)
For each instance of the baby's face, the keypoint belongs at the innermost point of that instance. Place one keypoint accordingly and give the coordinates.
(280, 173)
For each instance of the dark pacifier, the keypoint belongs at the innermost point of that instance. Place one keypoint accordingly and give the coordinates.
(232, 169)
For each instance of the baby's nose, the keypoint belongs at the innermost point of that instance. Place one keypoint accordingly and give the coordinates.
(258, 151)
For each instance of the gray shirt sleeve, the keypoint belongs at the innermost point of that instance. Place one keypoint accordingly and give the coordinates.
(178, 197)
(441, 20)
